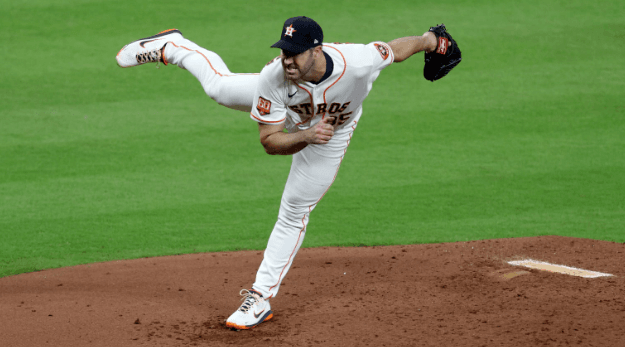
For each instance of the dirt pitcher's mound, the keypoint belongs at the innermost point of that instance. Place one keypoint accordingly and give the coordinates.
(455, 294)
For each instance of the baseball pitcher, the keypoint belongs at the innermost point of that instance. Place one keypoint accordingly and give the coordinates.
(315, 91)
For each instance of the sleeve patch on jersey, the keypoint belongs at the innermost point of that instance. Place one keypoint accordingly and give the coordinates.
(264, 106)
(383, 50)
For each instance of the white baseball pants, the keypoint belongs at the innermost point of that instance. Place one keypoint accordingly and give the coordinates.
(235, 91)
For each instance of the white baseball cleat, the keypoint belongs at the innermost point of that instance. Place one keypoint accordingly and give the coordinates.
(254, 310)
(147, 50)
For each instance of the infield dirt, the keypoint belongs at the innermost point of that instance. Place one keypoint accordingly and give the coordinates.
(453, 294)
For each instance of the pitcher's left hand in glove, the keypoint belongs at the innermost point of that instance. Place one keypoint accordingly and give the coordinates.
(445, 57)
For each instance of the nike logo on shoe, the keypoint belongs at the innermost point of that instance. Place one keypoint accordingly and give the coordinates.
(155, 37)
(256, 315)
(142, 43)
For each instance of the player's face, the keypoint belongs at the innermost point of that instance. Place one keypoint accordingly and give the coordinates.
(297, 66)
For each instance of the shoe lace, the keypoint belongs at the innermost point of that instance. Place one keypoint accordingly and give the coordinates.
(249, 299)
(153, 56)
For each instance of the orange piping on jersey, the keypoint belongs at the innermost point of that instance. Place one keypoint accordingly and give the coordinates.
(344, 69)
(267, 121)
(312, 105)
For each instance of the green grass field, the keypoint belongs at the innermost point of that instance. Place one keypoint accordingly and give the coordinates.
(526, 137)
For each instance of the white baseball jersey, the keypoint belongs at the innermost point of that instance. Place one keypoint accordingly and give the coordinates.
(301, 105)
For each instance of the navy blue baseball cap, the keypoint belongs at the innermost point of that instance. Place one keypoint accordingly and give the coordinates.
(299, 34)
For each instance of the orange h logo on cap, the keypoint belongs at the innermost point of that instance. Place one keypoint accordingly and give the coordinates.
(289, 30)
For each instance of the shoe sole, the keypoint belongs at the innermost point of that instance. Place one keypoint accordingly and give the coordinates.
(247, 327)
(152, 38)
